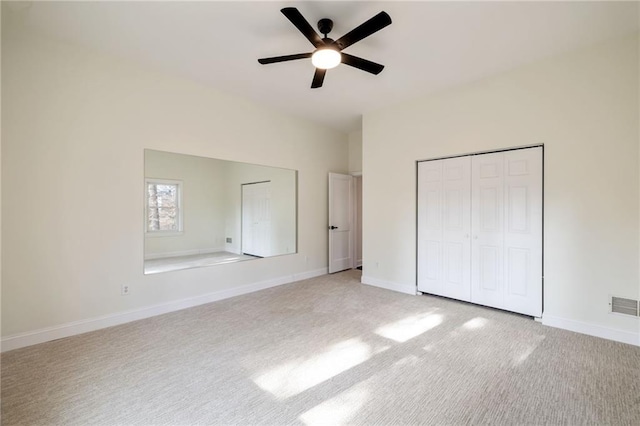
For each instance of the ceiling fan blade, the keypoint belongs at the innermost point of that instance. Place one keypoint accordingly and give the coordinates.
(361, 64)
(318, 78)
(302, 25)
(275, 59)
(374, 24)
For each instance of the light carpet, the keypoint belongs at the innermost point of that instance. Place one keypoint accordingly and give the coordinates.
(328, 350)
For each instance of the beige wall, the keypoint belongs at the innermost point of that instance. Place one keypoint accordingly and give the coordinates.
(583, 107)
(76, 124)
(355, 151)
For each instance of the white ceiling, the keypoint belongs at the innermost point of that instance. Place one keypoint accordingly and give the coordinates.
(428, 47)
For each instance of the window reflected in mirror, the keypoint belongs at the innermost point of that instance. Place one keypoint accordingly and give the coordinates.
(163, 205)
(204, 211)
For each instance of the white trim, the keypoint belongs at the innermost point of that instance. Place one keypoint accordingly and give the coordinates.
(310, 274)
(47, 334)
(355, 236)
(593, 329)
(354, 220)
(402, 288)
(183, 253)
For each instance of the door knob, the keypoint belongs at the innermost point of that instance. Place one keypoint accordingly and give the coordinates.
(333, 227)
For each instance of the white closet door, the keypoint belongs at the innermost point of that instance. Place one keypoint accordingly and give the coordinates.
(496, 199)
(430, 226)
(444, 220)
(506, 266)
(523, 231)
(487, 246)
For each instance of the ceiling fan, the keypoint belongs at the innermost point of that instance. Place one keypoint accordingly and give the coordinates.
(328, 53)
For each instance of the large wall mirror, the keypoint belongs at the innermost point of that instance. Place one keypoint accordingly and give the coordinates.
(204, 211)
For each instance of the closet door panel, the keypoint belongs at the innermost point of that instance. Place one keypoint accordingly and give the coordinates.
(430, 236)
(457, 227)
(487, 218)
(523, 231)
(444, 227)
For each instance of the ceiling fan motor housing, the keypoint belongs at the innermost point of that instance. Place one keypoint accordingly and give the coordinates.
(325, 26)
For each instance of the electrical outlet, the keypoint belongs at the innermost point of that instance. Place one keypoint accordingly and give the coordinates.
(229, 240)
(125, 289)
(306, 259)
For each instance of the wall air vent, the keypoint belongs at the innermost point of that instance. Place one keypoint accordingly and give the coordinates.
(621, 305)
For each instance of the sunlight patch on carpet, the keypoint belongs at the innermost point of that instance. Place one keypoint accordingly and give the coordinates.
(409, 327)
(339, 410)
(475, 323)
(527, 351)
(296, 376)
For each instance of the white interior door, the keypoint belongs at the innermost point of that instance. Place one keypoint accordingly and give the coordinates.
(444, 221)
(256, 219)
(340, 222)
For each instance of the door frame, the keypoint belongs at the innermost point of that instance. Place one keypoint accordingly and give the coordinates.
(355, 221)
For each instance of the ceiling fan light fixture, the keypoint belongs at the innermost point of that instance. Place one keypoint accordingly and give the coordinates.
(328, 52)
(326, 58)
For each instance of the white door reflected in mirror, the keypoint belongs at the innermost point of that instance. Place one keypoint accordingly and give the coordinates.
(256, 219)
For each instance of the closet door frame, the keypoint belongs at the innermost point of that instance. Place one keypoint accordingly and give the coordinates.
(418, 231)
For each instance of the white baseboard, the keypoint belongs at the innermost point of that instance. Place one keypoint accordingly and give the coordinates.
(310, 274)
(593, 329)
(408, 289)
(47, 334)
